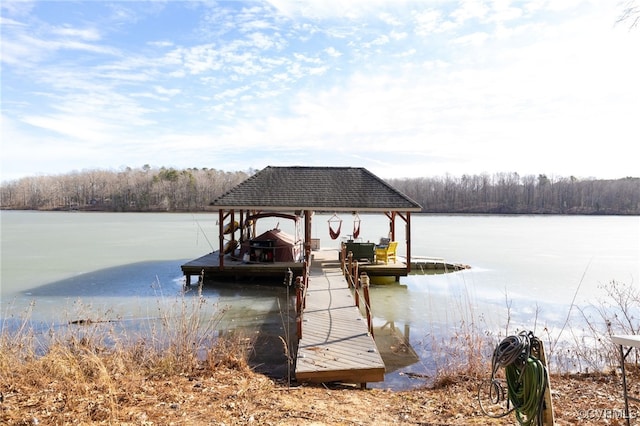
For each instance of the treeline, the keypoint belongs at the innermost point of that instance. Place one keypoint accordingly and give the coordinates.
(143, 189)
(510, 193)
(168, 189)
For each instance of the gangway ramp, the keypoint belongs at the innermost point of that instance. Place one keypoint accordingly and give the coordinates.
(335, 345)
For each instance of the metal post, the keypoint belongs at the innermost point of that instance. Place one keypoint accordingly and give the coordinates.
(624, 386)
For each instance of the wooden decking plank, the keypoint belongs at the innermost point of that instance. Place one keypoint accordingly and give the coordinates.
(335, 344)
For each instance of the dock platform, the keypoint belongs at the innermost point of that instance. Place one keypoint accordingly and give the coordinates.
(335, 345)
(208, 266)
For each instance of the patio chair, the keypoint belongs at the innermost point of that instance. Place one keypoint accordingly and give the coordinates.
(387, 253)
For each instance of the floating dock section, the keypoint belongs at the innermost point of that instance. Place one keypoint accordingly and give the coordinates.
(335, 345)
(428, 263)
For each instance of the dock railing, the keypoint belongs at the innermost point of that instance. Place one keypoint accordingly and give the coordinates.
(302, 284)
(360, 284)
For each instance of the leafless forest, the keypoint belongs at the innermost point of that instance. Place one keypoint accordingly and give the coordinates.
(168, 189)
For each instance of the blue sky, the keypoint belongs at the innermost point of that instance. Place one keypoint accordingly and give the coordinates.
(403, 88)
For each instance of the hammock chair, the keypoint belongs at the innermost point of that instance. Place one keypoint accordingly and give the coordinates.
(356, 226)
(334, 219)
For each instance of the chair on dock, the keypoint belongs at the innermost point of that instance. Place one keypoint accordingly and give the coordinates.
(387, 253)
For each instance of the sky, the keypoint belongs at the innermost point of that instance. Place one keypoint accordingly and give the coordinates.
(402, 88)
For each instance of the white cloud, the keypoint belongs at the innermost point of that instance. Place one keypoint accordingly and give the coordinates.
(404, 90)
(89, 34)
(332, 52)
(328, 9)
(470, 10)
(429, 21)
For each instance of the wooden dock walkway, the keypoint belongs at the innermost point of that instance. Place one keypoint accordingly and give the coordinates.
(335, 345)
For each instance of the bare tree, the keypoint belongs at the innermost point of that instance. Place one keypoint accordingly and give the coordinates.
(630, 14)
(168, 189)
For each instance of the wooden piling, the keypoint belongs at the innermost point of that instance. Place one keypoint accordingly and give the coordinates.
(364, 281)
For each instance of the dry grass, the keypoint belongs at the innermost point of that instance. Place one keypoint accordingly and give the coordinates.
(184, 372)
(77, 384)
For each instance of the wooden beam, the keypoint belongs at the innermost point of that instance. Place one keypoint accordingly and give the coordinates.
(307, 235)
(408, 219)
(346, 376)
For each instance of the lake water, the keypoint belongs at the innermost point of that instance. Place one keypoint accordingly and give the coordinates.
(526, 271)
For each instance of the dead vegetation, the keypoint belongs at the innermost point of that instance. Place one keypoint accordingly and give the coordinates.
(184, 372)
(83, 385)
(79, 379)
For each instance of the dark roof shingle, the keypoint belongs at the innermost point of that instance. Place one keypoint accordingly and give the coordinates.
(315, 188)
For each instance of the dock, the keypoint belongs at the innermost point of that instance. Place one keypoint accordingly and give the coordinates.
(208, 266)
(335, 345)
(336, 341)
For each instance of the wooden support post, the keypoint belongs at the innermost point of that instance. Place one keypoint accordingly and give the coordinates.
(408, 249)
(354, 274)
(299, 285)
(356, 285)
(305, 272)
(299, 304)
(392, 225)
(305, 284)
(307, 235)
(364, 281)
(547, 413)
(349, 269)
(547, 410)
(221, 217)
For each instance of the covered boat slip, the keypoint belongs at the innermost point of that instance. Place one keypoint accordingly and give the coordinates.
(299, 192)
(335, 343)
(208, 268)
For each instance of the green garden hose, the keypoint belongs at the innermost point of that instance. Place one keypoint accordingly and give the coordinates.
(526, 390)
(526, 378)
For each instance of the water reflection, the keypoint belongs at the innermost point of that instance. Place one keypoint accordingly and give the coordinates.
(394, 345)
(137, 299)
(411, 318)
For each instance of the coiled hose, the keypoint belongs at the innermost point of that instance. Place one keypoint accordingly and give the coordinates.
(526, 378)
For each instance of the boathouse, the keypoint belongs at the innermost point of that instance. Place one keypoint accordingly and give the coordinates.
(296, 193)
(334, 344)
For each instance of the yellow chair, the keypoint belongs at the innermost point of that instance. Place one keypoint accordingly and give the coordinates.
(387, 253)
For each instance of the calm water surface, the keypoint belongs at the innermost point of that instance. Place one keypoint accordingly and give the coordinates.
(125, 265)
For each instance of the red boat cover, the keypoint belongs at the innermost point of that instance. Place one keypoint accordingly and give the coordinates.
(286, 249)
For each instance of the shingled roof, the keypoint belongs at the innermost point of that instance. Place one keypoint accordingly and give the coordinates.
(315, 188)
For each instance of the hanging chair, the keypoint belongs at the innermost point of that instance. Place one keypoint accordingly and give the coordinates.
(334, 219)
(356, 226)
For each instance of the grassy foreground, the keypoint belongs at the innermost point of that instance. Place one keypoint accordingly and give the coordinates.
(81, 381)
(82, 385)
(183, 371)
